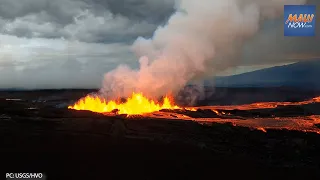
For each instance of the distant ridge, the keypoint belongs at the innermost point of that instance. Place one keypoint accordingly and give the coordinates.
(303, 75)
(11, 89)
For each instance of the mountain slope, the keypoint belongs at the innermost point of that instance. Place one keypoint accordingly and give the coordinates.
(304, 74)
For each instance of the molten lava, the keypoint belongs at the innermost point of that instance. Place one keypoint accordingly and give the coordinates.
(136, 104)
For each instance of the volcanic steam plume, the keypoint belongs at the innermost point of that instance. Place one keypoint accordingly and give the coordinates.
(200, 39)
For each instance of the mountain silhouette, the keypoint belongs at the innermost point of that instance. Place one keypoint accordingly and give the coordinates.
(304, 74)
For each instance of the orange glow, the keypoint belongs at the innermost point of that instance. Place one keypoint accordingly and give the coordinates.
(135, 104)
(262, 129)
(191, 109)
(316, 99)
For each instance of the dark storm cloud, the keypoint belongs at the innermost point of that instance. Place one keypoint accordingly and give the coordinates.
(71, 43)
(149, 10)
(154, 10)
(58, 11)
(86, 20)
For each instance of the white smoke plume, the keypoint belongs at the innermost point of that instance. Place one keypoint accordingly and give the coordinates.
(200, 39)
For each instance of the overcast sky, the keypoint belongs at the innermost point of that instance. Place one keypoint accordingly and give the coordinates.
(72, 43)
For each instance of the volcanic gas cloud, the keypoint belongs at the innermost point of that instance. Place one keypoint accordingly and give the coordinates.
(200, 39)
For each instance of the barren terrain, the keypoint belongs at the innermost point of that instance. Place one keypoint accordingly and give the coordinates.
(259, 140)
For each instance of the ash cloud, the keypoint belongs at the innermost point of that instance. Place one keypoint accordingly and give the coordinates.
(200, 39)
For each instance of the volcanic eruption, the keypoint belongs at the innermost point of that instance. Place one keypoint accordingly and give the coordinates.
(199, 40)
(135, 104)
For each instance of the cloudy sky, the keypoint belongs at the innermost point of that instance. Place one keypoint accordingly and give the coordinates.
(72, 43)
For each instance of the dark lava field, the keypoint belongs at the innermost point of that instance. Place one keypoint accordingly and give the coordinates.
(38, 133)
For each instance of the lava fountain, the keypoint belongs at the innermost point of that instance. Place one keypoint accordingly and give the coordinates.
(136, 104)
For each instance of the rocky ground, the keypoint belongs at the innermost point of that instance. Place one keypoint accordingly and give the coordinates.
(39, 134)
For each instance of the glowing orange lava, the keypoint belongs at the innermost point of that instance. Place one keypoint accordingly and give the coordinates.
(135, 104)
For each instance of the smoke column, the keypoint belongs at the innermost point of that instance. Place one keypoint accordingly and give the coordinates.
(200, 39)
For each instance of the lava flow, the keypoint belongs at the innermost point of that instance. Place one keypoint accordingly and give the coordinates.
(135, 104)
